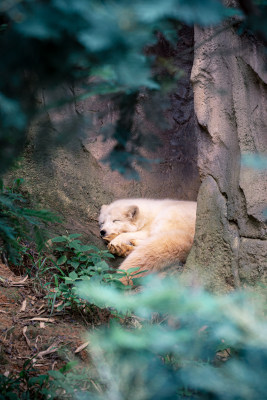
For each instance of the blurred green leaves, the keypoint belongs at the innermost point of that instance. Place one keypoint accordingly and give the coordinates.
(171, 350)
(255, 161)
(51, 43)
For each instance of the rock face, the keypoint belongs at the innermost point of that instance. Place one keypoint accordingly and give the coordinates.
(230, 94)
(73, 181)
(230, 102)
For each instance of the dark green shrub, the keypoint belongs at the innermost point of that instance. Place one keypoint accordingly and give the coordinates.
(19, 222)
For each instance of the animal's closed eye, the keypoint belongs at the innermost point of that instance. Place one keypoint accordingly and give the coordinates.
(116, 220)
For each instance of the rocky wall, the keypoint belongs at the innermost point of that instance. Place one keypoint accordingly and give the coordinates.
(230, 96)
(71, 178)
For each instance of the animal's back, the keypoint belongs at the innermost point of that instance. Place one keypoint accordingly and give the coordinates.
(156, 206)
(171, 235)
(180, 215)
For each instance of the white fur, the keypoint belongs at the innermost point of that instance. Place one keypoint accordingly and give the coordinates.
(155, 233)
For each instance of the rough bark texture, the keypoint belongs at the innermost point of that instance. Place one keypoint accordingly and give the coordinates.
(72, 180)
(230, 94)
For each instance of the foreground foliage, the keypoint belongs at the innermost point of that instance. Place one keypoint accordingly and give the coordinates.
(178, 356)
(176, 343)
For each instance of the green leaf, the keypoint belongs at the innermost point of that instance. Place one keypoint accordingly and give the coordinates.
(85, 277)
(106, 254)
(121, 272)
(61, 307)
(68, 366)
(68, 280)
(83, 258)
(131, 270)
(139, 272)
(103, 265)
(75, 235)
(95, 259)
(40, 379)
(60, 248)
(85, 248)
(75, 264)
(73, 275)
(62, 260)
(56, 375)
(76, 245)
(94, 248)
(59, 239)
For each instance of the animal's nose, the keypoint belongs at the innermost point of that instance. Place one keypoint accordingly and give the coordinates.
(103, 233)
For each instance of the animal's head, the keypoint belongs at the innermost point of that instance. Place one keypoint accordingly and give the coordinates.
(117, 218)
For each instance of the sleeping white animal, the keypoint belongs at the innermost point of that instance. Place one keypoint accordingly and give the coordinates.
(151, 234)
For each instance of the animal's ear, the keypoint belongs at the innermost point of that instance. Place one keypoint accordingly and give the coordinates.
(103, 208)
(132, 212)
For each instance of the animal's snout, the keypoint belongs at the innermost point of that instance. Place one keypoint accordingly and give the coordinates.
(103, 232)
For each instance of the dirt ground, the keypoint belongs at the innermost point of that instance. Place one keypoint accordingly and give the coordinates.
(28, 330)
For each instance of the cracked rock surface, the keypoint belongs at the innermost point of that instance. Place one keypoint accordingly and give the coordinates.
(230, 94)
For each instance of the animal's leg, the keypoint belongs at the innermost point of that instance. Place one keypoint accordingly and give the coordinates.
(125, 243)
(159, 252)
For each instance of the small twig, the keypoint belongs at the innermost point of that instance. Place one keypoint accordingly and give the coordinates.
(81, 347)
(99, 390)
(50, 350)
(23, 307)
(4, 259)
(24, 330)
(42, 319)
(10, 329)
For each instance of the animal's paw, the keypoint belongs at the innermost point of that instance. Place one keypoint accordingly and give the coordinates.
(120, 248)
(134, 242)
(109, 238)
